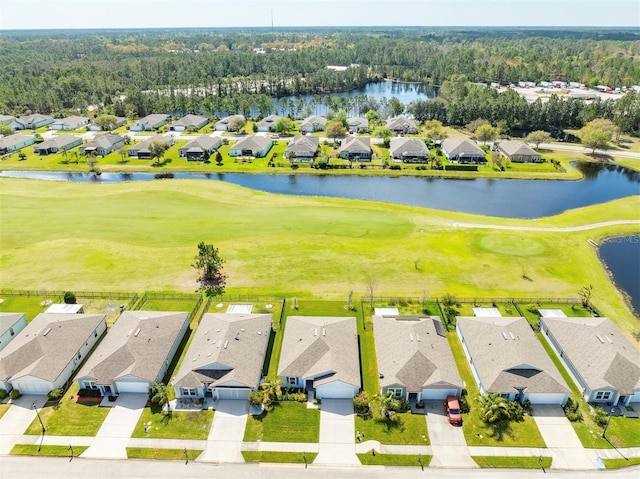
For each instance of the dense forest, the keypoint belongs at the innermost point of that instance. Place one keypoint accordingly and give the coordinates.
(133, 73)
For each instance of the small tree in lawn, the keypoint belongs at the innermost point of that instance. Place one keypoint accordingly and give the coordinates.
(586, 292)
(69, 297)
(218, 158)
(236, 123)
(106, 122)
(209, 263)
(335, 129)
(387, 403)
(5, 130)
(157, 149)
(486, 133)
(493, 408)
(158, 394)
(22, 156)
(537, 137)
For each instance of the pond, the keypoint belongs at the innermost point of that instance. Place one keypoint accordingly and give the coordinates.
(621, 255)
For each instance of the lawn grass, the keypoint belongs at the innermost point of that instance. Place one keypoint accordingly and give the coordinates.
(109, 307)
(30, 305)
(174, 425)
(70, 418)
(166, 454)
(3, 409)
(622, 432)
(394, 460)
(169, 304)
(402, 428)
(57, 451)
(281, 457)
(620, 463)
(512, 462)
(287, 422)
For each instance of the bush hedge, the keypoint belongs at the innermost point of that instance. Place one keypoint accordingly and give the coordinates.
(461, 167)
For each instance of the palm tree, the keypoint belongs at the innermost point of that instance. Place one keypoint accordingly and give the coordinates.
(494, 408)
(388, 404)
(271, 392)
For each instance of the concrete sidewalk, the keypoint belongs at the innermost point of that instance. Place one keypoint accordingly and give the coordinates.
(337, 433)
(224, 443)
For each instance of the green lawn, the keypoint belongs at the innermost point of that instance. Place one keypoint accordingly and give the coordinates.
(169, 304)
(622, 432)
(512, 462)
(393, 460)
(174, 425)
(70, 418)
(402, 428)
(58, 451)
(166, 454)
(619, 463)
(3, 409)
(287, 422)
(281, 457)
(30, 305)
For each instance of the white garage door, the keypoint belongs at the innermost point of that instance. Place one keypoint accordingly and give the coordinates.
(132, 387)
(233, 393)
(32, 387)
(434, 394)
(334, 392)
(541, 398)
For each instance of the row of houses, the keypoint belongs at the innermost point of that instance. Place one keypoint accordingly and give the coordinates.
(320, 354)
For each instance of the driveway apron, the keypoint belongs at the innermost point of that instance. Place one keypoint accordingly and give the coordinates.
(447, 442)
(337, 433)
(225, 436)
(115, 432)
(17, 419)
(562, 441)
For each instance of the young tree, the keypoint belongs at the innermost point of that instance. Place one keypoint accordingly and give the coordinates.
(388, 404)
(236, 123)
(486, 133)
(335, 129)
(218, 158)
(69, 297)
(158, 394)
(157, 150)
(396, 107)
(597, 134)
(106, 122)
(434, 130)
(5, 130)
(209, 263)
(586, 292)
(382, 132)
(537, 137)
(284, 125)
(494, 408)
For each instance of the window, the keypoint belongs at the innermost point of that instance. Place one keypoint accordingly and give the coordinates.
(188, 391)
(397, 392)
(603, 395)
(90, 385)
(292, 381)
(11, 331)
(504, 395)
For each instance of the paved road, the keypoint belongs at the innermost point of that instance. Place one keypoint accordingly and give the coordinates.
(566, 229)
(582, 149)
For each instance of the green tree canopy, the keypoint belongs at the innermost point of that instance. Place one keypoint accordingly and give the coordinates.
(284, 125)
(335, 129)
(236, 123)
(537, 137)
(486, 133)
(106, 122)
(597, 134)
(209, 263)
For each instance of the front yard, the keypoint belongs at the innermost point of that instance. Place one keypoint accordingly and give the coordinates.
(153, 423)
(402, 428)
(287, 422)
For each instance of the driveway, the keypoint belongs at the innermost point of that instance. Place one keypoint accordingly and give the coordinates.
(115, 432)
(337, 433)
(447, 442)
(562, 441)
(17, 419)
(225, 436)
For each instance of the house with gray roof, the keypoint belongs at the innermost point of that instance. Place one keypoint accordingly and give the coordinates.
(602, 361)
(189, 123)
(313, 123)
(358, 124)
(46, 353)
(506, 358)
(463, 150)
(15, 142)
(355, 148)
(10, 325)
(102, 145)
(302, 148)
(149, 122)
(518, 151)
(135, 353)
(71, 123)
(402, 124)
(6, 119)
(57, 143)
(31, 122)
(268, 123)
(415, 361)
(256, 146)
(320, 355)
(141, 150)
(409, 150)
(120, 121)
(225, 358)
(200, 148)
(223, 124)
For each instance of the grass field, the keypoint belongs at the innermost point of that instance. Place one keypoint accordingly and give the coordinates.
(287, 422)
(55, 451)
(394, 460)
(512, 462)
(174, 425)
(402, 428)
(30, 305)
(281, 457)
(619, 463)
(166, 454)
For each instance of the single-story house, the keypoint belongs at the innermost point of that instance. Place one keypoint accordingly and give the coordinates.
(65, 308)
(149, 122)
(141, 150)
(506, 358)
(518, 151)
(463, 150)
(57, 143)
(313, 123)
(358, 124)
(102, 145)
(256, 146)
(189, 123)
(601, 360)
(402, 124)
(198, 149)
(71, 123)
(355, 148)
(31, 122)
(225, 357)
(135, 353)
(6, 119)
(10, 325)
(320, 354)
(302, 148)
(15, 142)
(46, 353)
(409, 150)
(268, 123)
(120, 121)
(415, 361)
(223, 124)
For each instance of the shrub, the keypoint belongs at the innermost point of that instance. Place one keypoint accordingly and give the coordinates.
(461, 167)
(361, 403)
(402, 406)
(572, 411)
(55, 393)
(3, 393)
(420, 404)
(516, 412)
(600, 416)
(395, 167)
(14, 394)
(255, 398)
(464, 403)
(532, 308)
(92, 393)
(69, 297)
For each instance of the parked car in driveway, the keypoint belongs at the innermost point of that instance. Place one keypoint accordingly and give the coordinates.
(452, 408)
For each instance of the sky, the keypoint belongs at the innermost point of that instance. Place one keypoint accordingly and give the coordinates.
(47, 14)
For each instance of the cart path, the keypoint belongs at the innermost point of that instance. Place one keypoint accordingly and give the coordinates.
(566, 229)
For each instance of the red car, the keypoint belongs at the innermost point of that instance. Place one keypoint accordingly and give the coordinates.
(452, 408)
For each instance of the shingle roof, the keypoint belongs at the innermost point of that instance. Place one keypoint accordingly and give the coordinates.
(507, 354)
(204, 143)
(401, 146)
(73, 122)
(513, 147)
(358, 122)
(47, 345)
(269, 120)
(355, 143)
(58, 141)
(303, 144)
(152, 119)
(612, 360)
(316, 346)
(137, 345)
(104, 141)
(215, 355)
(7, 320)
(190, 120)
(144, 145)
(401, 123)
(15, 139)
(314, 120)
(413, 352)
(253, 142)
(459, 146)
(227, 119)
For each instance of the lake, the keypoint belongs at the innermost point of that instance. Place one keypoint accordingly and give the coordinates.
(622, 257)
(492, 197)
